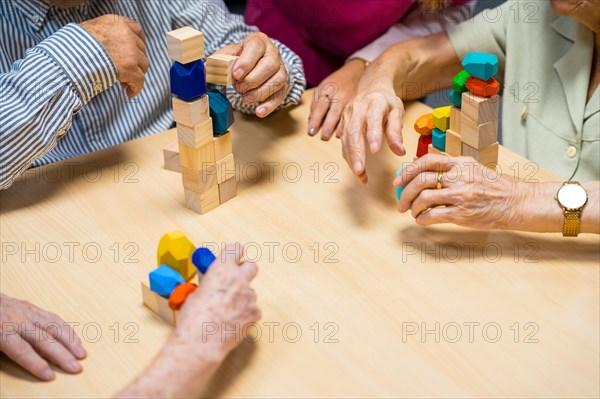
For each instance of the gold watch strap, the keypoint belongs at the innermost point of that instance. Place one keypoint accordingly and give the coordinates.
(572, 223)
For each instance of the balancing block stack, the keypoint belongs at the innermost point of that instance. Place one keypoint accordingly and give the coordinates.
(176, 276)
(205, 156)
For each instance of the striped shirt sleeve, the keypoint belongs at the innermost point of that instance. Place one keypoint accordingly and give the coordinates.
(221, 28)
(43, 91)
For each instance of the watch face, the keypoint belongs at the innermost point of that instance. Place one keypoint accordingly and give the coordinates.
(572, 196)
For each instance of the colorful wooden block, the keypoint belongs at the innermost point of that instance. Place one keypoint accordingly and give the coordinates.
(455, 115)
(185, 45)
(226, 168)
(221, 112)
(158, 305)
(487, 156)
(479, 109)
(190, 113)
(453, 143)
(175, 250)
(200, 180)
(188, 80)
(164, 279)
(195, 136)
(424, 141)
(455, 99)
(171, 157)
(459, 82)
(424, 125)
(202, 202)
(441, 118)
(219, 69)
(202, 259)
(399, 188)
(227, 190)
(480, 65)
(438, 139)
(478, 136)
(180, 294)
(223, 146)
(196, 158)
(483, 88)
(432, 150)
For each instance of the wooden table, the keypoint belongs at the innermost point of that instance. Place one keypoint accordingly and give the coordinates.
(358, 300)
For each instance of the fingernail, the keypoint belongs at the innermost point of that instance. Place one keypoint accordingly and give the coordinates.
(261, 111)
(357, 167)
(79, 352)
(312, 130)
(47, 375)
(238, 73)
(373, 147)
(326, 134)
(74, 366)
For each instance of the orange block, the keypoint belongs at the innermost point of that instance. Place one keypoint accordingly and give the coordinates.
(424, 125)
(180, 294)
(483, 88)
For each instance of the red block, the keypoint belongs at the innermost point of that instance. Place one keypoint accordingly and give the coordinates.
(483, 88)
(424, 142)
(180, 294)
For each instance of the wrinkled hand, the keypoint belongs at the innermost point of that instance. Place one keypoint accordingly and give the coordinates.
(471, 194)
(224, 300)
(124, 40)
(31, 337)
(375, 111)
(259, 72)
(332, 96)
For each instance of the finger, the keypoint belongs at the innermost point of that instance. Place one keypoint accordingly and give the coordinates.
(318, 110)
(233, 252)
(134, 82)
(375, 125)
(253, 49)
(52, 350)
(136, 28)
(142, 60)
(265, 69)
(423, 181)
(270, 104)
(56, 328)
(249, 269)
(428, 199)
(393, 130)
(23, 354)
(428, 162)
(332, 120)
(356, 144)
(266, 90)
(230, 49)
(445, 214)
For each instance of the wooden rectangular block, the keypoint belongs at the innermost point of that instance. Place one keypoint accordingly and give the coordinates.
(478, 136)
(204, 202)
(487, 156)
(453, 143)
(455, 114)
(195, 136)
(219, 69)
(223, 146)
(432, 150)
(196, 158)
(191, 113)
(158, 304)
(227, 190)
(225, 168)
(171, 157)
(479, 109)
(200, 180)
(185, 45)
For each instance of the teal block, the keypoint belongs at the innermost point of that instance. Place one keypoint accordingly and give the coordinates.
(221, 112)
(399, 188)
(164, 279)
(439, 139)
(455, 99)
(481, 65)
(459, 83)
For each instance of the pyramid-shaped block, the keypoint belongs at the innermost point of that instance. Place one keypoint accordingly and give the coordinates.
(187, 80)
(480, 65)
(221, 112)
(202, 258)
(164, 279)
(175, 250)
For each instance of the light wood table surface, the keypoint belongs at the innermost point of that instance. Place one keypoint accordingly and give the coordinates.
(344, 279)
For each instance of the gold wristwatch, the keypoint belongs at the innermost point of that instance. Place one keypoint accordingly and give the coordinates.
(572, 198)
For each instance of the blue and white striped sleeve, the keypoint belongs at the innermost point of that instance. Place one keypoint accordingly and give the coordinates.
(42, 92)
(220, 28)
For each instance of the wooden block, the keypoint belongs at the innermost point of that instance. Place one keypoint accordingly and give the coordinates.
(180, 294)
(439, 139)
(191, 113)
(195, 136)
(196, 158)
(223, 146)
(158, 304)
(219, 69)
(487, 156)
(202, 203)
(227, 190)
(483, 88)
(200, 180)
(424, 141)
(225, 168)
(175, 250)
(171, 157)
(478, 136)
(459, 82)
(185, 44)
(441, 118)
(424, 125)
(453, 143)
(432, 150)
(455, 119)
(479, 109)
(481, 65)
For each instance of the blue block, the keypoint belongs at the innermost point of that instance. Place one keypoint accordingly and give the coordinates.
(439, 139)
(188, 81)
(163, 280)
(221, 112)
(480, 65)
(399, 188)
(202, 258)
(455, 99)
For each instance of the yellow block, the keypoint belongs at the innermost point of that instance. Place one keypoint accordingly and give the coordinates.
(441, 118)
(175, 250)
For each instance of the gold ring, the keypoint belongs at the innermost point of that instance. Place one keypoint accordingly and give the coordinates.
(440, 178)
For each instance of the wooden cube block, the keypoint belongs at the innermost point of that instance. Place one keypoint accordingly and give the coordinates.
(433, 150)
(200, 180)
(487, 156)
(223, 146)
(227, 190)
(219, 69)
(191, 113)
(479, 109)
(202, 202)
(196, 158)
(455, 115)
(158, 304)
(225, 168)
(195, 136)
(453, 143)
(185, 44)
(478, 136)
(171, 157)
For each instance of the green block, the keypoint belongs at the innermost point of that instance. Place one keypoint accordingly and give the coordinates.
(459, 82)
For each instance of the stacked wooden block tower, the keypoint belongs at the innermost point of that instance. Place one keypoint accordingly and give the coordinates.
(469, 126)
(204, 155)
(175, 278)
